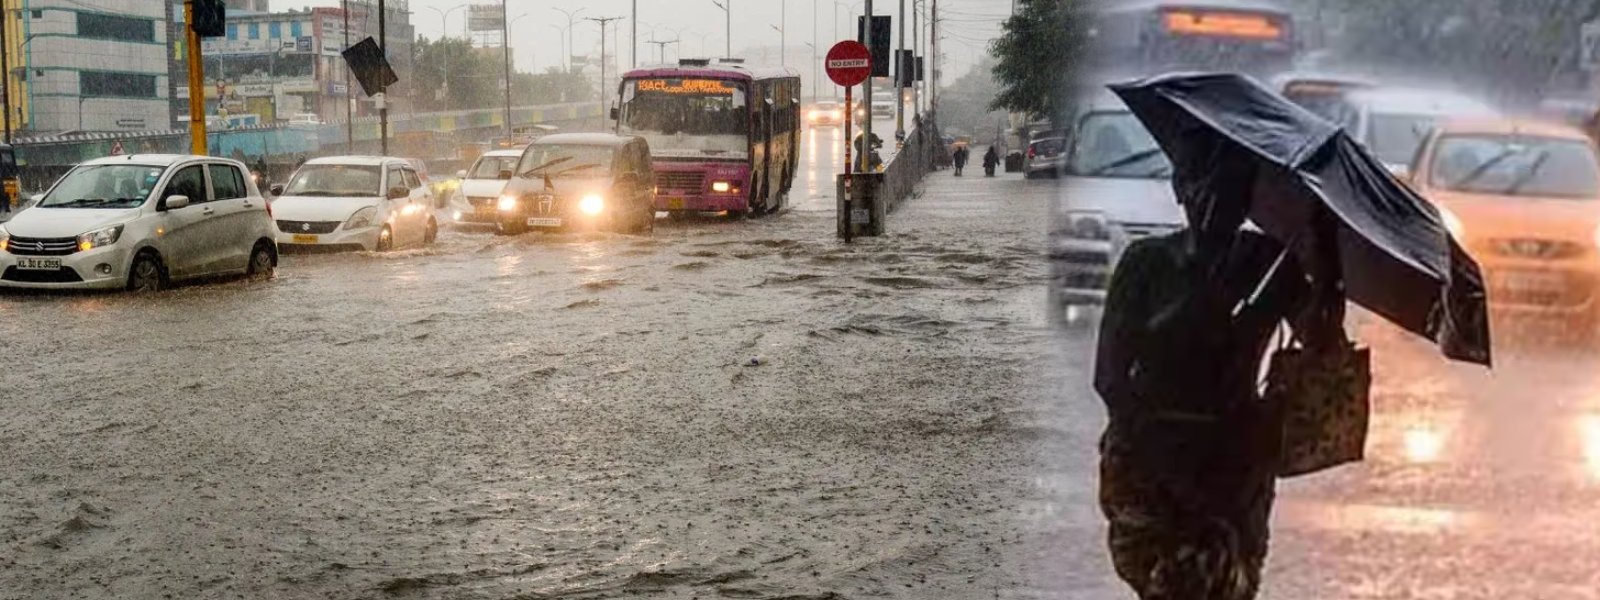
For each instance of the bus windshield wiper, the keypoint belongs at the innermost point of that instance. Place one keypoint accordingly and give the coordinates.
(530, 172)
(1136, 157)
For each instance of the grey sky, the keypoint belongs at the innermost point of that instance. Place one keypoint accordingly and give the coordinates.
(699, 25)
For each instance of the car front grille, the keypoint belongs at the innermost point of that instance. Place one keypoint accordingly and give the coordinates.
(22, 246)
(312, 227)
(62, 275)
(681, 181)
(1537, 249)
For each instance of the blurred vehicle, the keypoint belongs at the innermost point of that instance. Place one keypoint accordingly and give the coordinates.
(724, 137)
(1524, 199)
(355, 203)
(10, 179)
(883, 104)
(1046, 156)
(826, 114)
(1326, 95)
(1157, 36)
(1117, 189)
(591, 181)
(481, 187)
(1392, 123)
(140, 223)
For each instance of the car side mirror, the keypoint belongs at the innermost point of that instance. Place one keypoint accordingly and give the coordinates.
(176, 202)
(398, 193)
(462, 174)
(276, 189)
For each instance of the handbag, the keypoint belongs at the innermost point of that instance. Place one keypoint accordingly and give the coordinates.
(1325, 403)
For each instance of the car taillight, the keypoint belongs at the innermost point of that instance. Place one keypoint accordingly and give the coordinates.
(1032, 152)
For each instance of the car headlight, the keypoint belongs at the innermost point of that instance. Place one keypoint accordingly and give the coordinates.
(591, 205)
(722, 187)
(362, 218)
(1087, 226)
(98, 238)
(507, 203)
(1452, 223)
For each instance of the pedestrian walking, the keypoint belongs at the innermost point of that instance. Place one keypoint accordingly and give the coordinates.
(1187, 479)
(960, 159)
(991, 159)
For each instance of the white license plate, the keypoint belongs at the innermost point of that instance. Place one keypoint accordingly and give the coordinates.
(544, 222)
(39, 264)
(1530, 281)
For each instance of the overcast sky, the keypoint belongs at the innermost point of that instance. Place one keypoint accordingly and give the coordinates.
(969, 24)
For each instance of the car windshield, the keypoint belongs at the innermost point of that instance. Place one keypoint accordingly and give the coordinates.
(1394, 138)
(104, 186)
(491, 167)
(336, 181)
(1116, 144)
(563, 160)
(1516, 166)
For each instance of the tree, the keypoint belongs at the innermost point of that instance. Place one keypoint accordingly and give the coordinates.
(1037, 58)
(453, 75)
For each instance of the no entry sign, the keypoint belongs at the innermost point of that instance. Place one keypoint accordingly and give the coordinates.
(849, 63)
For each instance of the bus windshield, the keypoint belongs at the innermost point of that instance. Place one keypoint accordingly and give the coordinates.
(703, 116)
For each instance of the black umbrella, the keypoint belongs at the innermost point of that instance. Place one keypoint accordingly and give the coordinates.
(1397, 257)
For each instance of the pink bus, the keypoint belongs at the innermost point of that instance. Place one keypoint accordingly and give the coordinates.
(723, 137)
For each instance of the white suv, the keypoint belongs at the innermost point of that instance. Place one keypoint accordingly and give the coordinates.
(140, 222)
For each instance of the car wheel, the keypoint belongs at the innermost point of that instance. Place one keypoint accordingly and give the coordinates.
(432, 234)
(147, 274)
(385, 239)
(263, 262)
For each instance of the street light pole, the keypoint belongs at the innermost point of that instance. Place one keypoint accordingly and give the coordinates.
(866, 96)
(900, 79)
(383, 91)
(727, 10)
(635, 24)
(603, 21)
(571, 18)
(505, 47)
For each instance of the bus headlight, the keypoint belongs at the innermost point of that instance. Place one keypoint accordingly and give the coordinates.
(507, 203)
(592, 205)
(721, 187)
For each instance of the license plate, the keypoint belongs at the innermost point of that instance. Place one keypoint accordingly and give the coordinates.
(675, 204)
(1530, 281)
(544, 222)
(39, 264)
(305, 239)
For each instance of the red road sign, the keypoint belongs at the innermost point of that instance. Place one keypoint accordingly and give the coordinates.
(116, 148)
(849, 63)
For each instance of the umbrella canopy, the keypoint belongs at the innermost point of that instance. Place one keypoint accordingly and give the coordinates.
(1397, 257)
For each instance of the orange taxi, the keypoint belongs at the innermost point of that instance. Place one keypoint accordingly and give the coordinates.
(1523, 198)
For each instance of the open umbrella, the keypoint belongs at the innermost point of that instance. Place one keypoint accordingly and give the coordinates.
(1397, 258)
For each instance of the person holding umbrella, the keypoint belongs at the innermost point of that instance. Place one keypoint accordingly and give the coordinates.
(1194, 444)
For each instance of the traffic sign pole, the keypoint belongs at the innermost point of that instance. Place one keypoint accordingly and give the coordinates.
(849, 63)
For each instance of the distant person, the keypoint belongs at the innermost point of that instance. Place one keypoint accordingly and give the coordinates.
(991, 159)
(960, 158)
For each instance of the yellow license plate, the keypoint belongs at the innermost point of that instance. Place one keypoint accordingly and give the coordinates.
(305, 239)
(675, 203)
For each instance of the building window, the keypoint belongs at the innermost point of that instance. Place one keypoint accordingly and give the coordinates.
(233, 31)
(255, 31)
(118, 85)
(112, 27)
(275, 30)
(294, 30)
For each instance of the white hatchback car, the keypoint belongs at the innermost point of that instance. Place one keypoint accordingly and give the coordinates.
(481, 187)
(355, 202)
(140, 222)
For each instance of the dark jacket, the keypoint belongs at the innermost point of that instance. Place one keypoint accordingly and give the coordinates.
(991, 158)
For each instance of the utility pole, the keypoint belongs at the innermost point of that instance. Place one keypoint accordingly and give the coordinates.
(5, 70)
(349, 98)
(197, 85)
(816, 63)
(383, 91)
(635, 24)
(866, 96)
(916, 53)
(783, 32)
(505, 46)
(727, 10)
(604, 102)
(933, 57)
(900, 79)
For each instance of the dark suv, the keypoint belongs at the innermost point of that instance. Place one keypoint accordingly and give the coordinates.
(581, 181)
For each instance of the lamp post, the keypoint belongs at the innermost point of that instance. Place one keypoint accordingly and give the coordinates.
(816, 72)
(603, 21)
(661, 48)
(728, 12)
(571, 18)
(783, 59)
(444, 17)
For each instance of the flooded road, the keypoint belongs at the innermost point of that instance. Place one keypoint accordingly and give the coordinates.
(728, 409)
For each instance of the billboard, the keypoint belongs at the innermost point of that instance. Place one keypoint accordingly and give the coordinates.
(485, 17)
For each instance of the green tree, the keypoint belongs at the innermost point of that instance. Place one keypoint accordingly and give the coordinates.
(1037, 58)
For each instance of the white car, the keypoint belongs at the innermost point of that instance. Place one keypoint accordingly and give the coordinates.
(355, 203)
(1392, 123)
(481, 187)
(1117, 189)
(139, 223)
